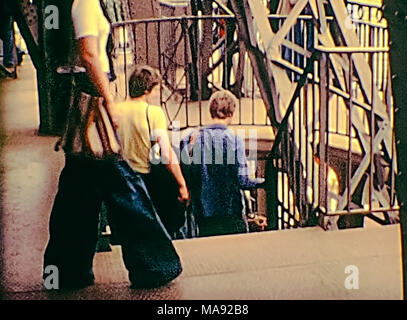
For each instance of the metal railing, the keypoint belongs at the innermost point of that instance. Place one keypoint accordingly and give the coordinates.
(330, 159)
(316, 160)
(192, 64)
(329, 163)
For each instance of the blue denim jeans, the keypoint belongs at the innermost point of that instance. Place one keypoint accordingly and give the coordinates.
(147, 250)
(7, 36)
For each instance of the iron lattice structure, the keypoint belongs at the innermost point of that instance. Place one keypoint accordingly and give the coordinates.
(322, 73)
(335, 153)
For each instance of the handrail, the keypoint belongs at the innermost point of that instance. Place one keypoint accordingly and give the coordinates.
(179, 4)
(203, 17)
(352, 49)
(362, 211)
(170, 19)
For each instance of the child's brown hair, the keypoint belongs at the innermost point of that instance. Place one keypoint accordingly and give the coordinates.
(222, 104)
(143, 80)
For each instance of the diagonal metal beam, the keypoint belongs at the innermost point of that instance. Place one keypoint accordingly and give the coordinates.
(363, 70)
(262, 22)
(286, 27)
(363, 166)
(361, 65)
(314, 8)
(297, 48)
(25, 14)
(260, 67)
(326, 39)
(282, 87)
(322, 16)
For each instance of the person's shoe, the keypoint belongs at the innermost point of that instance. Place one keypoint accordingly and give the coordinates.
(13, 74)
(10, 70)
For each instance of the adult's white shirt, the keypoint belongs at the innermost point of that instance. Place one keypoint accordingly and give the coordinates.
(89, 21)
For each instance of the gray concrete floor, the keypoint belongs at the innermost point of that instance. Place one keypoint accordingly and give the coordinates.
(294, 264)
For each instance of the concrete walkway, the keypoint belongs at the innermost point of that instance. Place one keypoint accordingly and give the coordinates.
(294, 264)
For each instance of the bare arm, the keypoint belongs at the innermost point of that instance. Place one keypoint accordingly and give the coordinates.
(171, 160)
(89, 55)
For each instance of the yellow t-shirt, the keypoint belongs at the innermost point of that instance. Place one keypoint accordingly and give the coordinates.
(134, 133)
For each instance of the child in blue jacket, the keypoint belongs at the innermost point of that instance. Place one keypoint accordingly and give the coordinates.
(215, 164)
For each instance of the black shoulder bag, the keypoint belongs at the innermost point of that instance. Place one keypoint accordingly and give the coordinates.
(163, 190)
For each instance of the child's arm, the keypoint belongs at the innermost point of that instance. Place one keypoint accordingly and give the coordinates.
(243, 173)
(159, 133)
(170, 159)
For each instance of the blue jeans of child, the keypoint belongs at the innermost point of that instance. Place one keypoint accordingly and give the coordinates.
(148, 253)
